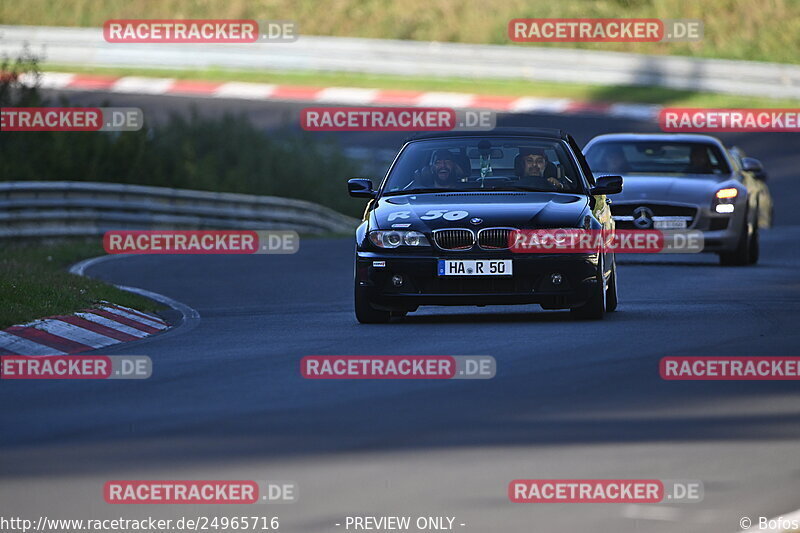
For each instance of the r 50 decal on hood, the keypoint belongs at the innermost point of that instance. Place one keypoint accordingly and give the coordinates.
(430, 215)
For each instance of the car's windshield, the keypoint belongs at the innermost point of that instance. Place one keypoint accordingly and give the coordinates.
(656, 157)
(476, 163)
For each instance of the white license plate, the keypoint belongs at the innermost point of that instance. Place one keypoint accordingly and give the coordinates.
(475, 267)
(669, 224)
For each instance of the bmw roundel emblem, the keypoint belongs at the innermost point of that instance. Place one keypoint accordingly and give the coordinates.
(475, 221)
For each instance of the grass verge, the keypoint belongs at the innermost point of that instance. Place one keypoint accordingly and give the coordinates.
(600, 93)
(34, 282)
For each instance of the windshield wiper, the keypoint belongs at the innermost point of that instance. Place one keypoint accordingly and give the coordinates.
(518, 188)
(422, 191)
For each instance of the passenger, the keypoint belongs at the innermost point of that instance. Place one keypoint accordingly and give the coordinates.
(443, 172)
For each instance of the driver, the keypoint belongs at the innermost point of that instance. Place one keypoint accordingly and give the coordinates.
(535, 171)
(699, 162)
(615, 161)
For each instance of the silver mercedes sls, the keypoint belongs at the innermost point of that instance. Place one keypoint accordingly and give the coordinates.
(687, 181)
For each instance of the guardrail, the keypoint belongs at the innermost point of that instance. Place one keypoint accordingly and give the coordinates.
(86, 46)
(74, 208)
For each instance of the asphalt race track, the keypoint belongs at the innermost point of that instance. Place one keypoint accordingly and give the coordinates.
(571, 399)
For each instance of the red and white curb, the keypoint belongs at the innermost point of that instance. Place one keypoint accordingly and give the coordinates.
(80, 332)
(339, 95)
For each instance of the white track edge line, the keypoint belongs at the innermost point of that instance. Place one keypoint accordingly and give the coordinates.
(190, 317)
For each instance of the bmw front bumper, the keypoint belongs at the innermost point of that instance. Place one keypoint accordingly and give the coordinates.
(531, 283)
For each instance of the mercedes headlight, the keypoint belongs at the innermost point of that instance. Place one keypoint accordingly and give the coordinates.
(724, 200)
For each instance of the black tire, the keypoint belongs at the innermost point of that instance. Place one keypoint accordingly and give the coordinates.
(595, 307)
(755, 248)
(365, 313)
(611, 292)
(741, 255)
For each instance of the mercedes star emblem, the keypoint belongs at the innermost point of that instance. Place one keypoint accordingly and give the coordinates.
(643, 218)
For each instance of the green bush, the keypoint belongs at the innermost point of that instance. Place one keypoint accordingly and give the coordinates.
(225, 154)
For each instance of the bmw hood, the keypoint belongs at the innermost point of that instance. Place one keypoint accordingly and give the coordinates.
(524, 210)
(682, 189)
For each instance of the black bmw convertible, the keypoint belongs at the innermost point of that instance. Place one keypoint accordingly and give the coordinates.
(437, 229)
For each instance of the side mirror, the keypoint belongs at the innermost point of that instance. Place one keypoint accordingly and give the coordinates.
(360, 188)
(607, 185)
(751, 164)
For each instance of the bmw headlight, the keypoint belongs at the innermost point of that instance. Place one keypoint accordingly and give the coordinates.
(395, 239)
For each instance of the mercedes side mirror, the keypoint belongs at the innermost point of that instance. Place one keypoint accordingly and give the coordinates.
(751, 164)
(360, 188)
(607, 185)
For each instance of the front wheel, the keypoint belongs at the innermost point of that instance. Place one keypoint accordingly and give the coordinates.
(754, 248)
(365, 313)
(611, 292)
(595, 307)
(741, 255)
